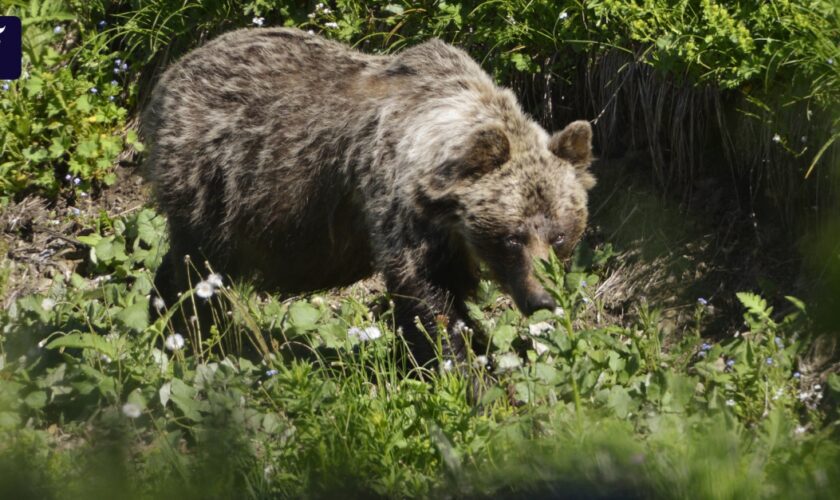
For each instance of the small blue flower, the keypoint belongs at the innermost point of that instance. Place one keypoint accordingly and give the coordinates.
(797, 375)
(730, 363)
(94, 90)
(114, 83)
(57, 30)
(770, 361)
(778, 342)
(77, 181)
(124, 66)
(702, 354)
(102, 24)
(704, 346)
(5, 87)
(702, 301)
(271, 373)
(116, 71)
(68, 177)
(117, 62)
(111, 98)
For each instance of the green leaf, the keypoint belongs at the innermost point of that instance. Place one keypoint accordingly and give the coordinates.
(183, 396)
(84, 341)
(619, 401)
(135, 316)
(83, 104)
(503, 336)
(36, 400)
(303, 316)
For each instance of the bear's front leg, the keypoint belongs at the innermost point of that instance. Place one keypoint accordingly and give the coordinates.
(419, 302)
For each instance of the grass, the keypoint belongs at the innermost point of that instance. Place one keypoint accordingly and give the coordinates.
(94, 401)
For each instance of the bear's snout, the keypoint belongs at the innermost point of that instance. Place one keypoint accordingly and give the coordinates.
(536, 301)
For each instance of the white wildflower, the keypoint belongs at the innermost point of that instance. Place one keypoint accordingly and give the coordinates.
(564, 15)
(777, 138)
(310, 32)
(204, 289)
(559, 311)
(174, 342)
(538, 329)
(800, 429)
(42, 343)
(319, 6)
(366, 334)
(447, 365)
(105, 358)
(158, 304)
(311, 15)
(215, 279)
(507, 361)
(258, 21)
(830, 60)
(331, 25)
(730, 402)
(47, 304)
(481, 361)
(132, 410)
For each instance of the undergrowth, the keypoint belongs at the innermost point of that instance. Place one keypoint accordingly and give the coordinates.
(95, 398)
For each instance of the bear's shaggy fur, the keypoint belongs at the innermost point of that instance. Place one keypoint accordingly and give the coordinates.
(301, 164)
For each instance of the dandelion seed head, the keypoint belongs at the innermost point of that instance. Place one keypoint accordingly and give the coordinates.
(204, 290)
(364, 335)
(131, 410)
(174, 342)
(215, 280)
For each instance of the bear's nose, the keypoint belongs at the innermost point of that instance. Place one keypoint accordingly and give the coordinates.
(540, 301)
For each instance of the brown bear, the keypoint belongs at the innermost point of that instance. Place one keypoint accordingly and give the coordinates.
(301, 164)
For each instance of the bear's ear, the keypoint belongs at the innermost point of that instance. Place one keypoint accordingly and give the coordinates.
(573, 143)
(486, 150)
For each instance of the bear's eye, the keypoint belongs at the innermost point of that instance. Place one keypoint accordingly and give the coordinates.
(559, 240)
(514, 241)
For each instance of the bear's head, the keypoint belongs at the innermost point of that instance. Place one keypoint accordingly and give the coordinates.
(517, 196)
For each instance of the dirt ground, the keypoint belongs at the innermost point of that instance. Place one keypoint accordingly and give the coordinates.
(38, 239)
